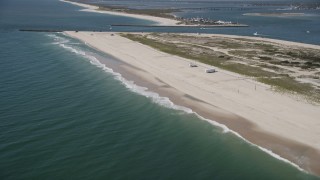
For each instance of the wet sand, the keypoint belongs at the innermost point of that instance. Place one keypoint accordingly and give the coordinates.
(287, 127)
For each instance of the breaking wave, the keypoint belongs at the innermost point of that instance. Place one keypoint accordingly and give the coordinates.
(155, 97)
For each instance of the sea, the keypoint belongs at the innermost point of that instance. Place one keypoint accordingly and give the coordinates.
(65, 115)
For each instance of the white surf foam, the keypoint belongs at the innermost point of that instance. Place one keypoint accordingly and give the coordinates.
(58, 39)
(155, 97)
(226, 130)
(73, 49)
(166, 102)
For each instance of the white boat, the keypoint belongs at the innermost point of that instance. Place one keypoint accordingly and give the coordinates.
(210, 70)
(255, 34)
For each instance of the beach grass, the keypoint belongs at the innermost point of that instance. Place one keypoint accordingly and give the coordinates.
(288, 84)
(281, 81)
(210, 59)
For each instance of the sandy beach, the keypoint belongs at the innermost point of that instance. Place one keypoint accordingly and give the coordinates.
(277, 122)
(157, 20)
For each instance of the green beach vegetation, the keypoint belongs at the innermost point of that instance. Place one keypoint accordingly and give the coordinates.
(165, 13)
(287, 69)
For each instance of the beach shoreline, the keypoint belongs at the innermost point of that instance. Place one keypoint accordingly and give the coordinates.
(158, 20)
(276, 14)
(278, 135)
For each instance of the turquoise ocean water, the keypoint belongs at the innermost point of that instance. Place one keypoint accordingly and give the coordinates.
(65, 116)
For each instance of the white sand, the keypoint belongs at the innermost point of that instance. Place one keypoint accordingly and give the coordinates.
(158, 20)
(271, 112)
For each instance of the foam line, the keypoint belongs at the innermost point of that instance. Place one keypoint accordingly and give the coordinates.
(163, 101)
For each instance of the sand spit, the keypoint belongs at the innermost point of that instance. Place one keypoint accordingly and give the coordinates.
(158, 20)
(274, 121)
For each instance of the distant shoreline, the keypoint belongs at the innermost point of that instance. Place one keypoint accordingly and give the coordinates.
(160, 21)
(95, 9)
(275, 14)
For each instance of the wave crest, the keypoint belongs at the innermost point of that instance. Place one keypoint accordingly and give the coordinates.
(155, 97)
